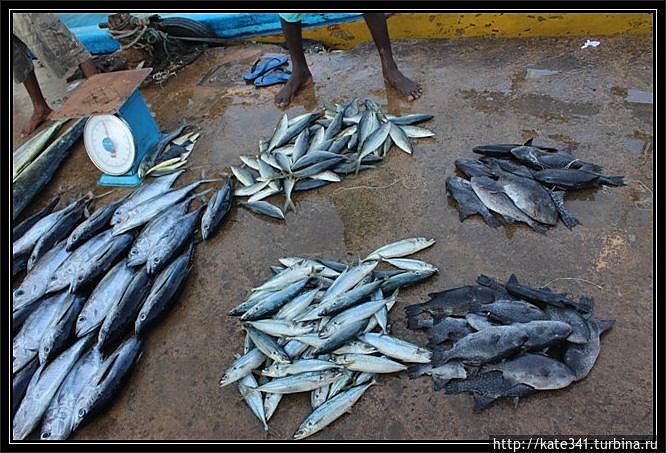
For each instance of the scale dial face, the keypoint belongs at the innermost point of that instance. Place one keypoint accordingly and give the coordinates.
(109, 143)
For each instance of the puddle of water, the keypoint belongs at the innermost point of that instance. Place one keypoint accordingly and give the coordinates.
(639, 97)
(538, 73)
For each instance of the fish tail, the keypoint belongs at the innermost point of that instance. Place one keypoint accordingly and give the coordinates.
(615, 181)
(491, 221)
(414, 310)
(481, 401)
(414, 371)
(439, 382)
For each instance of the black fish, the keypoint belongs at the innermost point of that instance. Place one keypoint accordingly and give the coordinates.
(453, 302)
(217, 210)
(19, 264)
(468, 202)
(544, 295)
(472, 167)
(581, 357)
(538, 159)
(20, 229)
(508, 166)
(58, 231)
(504, 150)
(558, 200)
(487, 387)
(20, 381)
(510, 311)
(500, 291)
(573, 179)
(108, 381)
(448, 328)
(124, 312)
(487, 345)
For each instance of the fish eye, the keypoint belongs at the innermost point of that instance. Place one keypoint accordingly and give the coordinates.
(82, 318)
(156, 260)
(47, 349)
(46, 435)
(19, 292)
(142, 317)
(133, 252)
(82, 412)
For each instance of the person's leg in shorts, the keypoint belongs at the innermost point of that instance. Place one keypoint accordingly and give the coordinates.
(55, 47)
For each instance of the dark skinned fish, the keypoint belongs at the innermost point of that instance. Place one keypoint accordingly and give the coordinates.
(538, 371)
(20, 229)
(580, 358)
(510, 311)
(509, 166)
(543, 295)
(217, 210)
(106, 383)
(558, 200)
(100, 261)
(122, 314)
(486, 388)
(59, 334)
(484, 346)
(163, 291)
(472, 167)
(574, 179)
(99, 220)
(468, 203)
(169, 245)
(20, 381)
(580, 331)
(530, 197)
(448, 328)
(491, 193)
(58, 231)
(453, 302)
(538, 159)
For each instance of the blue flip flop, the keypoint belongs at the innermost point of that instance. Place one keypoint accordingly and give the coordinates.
(272, 77)
(264, 65)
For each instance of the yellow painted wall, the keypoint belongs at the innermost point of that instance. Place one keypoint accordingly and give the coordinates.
(462, 25)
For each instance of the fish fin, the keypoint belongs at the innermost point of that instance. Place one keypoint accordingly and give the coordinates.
(538, 227)
(604, 325)
(414, 371)
(413, 310)
(272, 432)
(586, 304)
(515, 400)
(439, 382)
(413, 323)
(513, 280)
(528, 142)
(615, 181)
(491, 221)
(481, 401)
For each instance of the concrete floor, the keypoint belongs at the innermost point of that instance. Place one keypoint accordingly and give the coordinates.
(479, 92)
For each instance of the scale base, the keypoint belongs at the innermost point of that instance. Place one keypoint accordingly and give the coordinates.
(127, 180)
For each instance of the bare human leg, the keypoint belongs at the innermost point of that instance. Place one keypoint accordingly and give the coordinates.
(409, 89)
(40, 109)
(300, 73)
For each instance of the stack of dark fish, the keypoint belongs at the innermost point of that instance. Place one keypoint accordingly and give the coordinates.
(506, 341)
(93, 288)
(320, 147)
(523, 183)
(310, 328)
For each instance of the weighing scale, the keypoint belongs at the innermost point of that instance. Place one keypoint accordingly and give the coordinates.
(120, 129)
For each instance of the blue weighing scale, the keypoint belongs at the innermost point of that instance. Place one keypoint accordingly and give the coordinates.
(120, 129)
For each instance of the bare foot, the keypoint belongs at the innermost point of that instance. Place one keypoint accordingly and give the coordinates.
(407, 88)
(37, 118)
(296, 82)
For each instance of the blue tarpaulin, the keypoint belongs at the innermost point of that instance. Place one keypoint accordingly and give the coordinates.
(226, 25)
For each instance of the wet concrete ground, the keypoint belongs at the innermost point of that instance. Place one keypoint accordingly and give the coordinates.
(480, 92)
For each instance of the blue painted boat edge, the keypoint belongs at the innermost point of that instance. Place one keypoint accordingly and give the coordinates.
(225, 25)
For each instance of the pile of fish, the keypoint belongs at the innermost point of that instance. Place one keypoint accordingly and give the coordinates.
(506, 341)
(523, 183)
(321, 147)
(93, 288)
(170, 153)
(311, 328)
